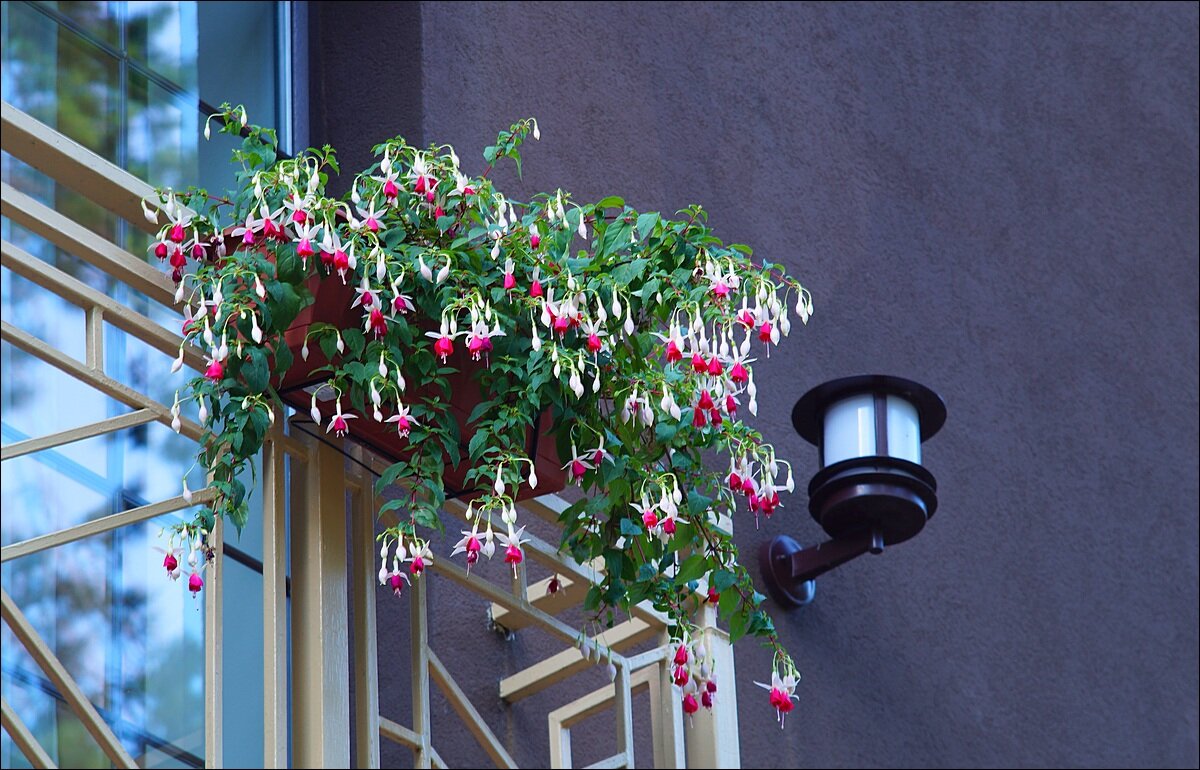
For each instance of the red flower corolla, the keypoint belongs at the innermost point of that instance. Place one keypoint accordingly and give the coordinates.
(689, 704)
(170, 563)
(738, 373)
(215, 370)
(705, 402)
(376, 323)
(594, 344)
(674, 354)
(715, 368)
(649, 518)
(443, 346)
(195, 583)
(699, 365)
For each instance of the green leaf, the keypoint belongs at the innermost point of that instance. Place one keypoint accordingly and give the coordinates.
(693, 567)
(646, 572)
(477, 445)
(721, 579)
(287, 306)
(630, 271)
(630, 529)
(698, 503)
(480, 409)
(388, 476)
(614, 562)
(611, 202)
(428, 518)
(646, 223)
(737, 627)
(665, 430)
(255, 370)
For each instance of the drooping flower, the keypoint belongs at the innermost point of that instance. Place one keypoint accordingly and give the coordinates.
(782, 695)
(397, 580)
(577, 465)
(512, 546)
(443, 344)
(338, 423)
(404, 421)
(248, 232)
(195, 583)
(215, 370)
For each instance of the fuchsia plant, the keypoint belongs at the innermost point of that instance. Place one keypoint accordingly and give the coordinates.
(635, 331)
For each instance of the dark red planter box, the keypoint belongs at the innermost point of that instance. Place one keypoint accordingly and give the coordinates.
(332, 305)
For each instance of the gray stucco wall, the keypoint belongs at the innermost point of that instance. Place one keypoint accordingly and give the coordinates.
(998, 201)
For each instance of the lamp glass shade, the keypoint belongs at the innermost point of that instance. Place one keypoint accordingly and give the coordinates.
(849, 429)
(903, 430)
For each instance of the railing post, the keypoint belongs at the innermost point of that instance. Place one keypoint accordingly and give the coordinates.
(320, 654)
(712, 740)
(214, 646)
(275, 671)
(419, 630)
(364, 585)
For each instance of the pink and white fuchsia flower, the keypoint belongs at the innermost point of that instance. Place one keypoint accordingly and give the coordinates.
(512, 543)
(577, 465)
(782, 693)
(404, 421)
(337, 425)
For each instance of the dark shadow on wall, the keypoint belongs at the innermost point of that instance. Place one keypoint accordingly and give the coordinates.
(366, 78)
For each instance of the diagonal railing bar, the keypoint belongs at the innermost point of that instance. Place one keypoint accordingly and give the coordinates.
(26, 342)
(565, 664)
(57, 673)
(75, 239)
(22, 738)
(79, 293)
(75, 166)
(104, 524)
(398, 733)
(468, 714)
(71, 435)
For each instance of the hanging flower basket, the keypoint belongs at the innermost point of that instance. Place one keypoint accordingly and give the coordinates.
(490, 347)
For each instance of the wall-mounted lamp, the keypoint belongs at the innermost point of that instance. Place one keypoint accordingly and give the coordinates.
(871, 490)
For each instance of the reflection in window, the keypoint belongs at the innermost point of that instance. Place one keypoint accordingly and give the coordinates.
(127, 80)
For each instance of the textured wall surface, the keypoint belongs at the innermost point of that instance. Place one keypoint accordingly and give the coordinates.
(997, 201)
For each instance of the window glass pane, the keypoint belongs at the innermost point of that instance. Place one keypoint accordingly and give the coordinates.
(162, 37)
(131, 639)
(123, 79)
